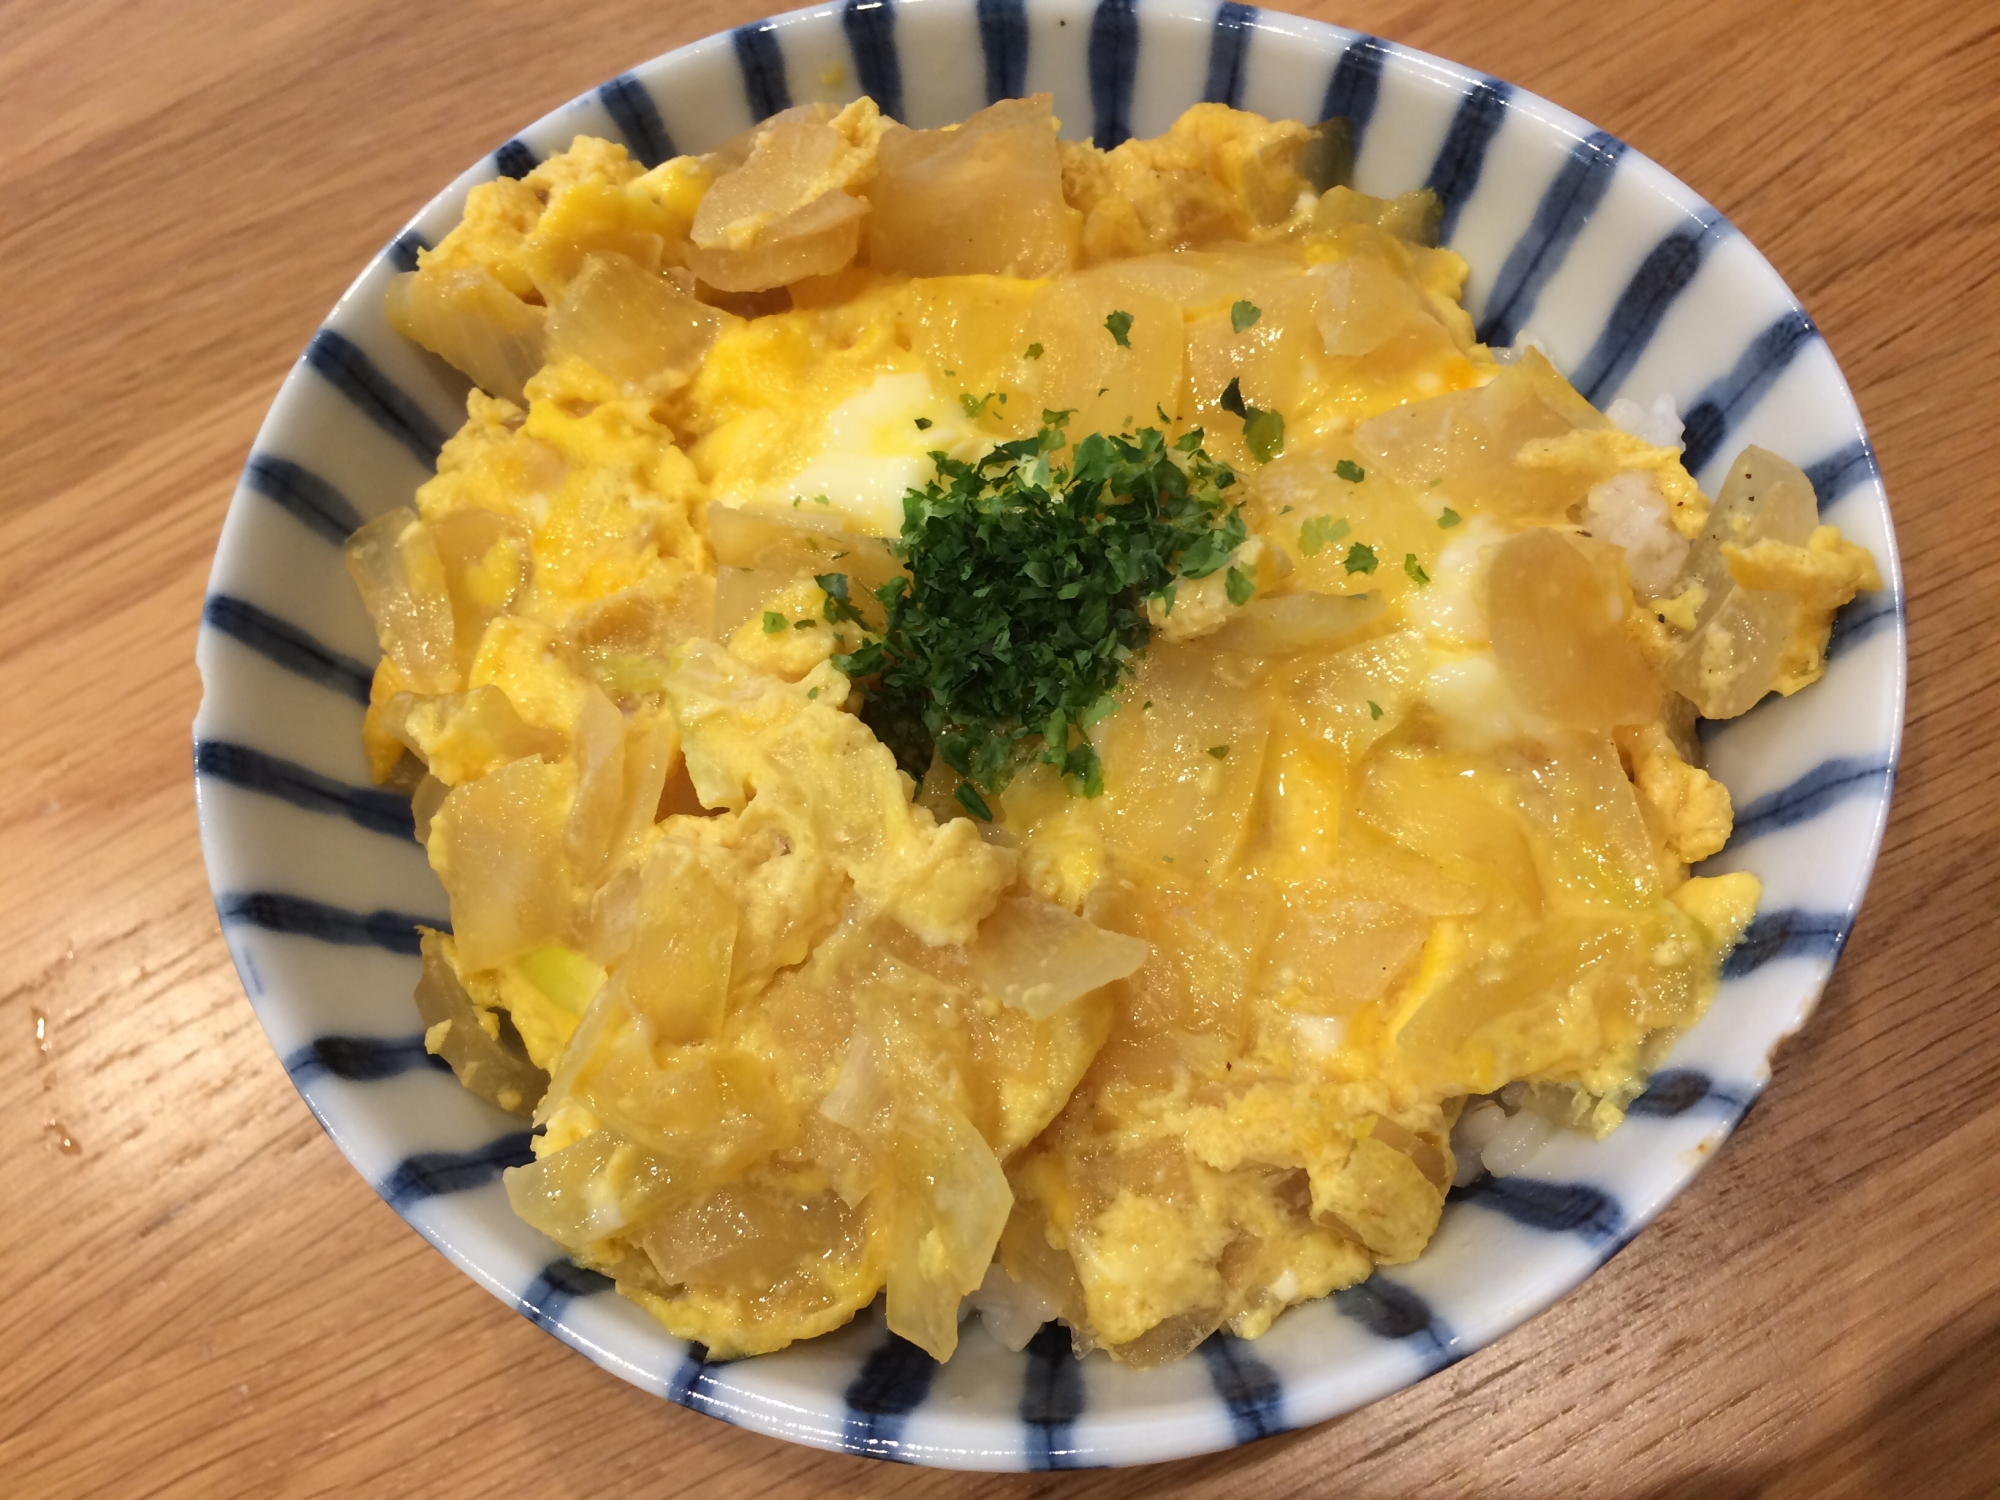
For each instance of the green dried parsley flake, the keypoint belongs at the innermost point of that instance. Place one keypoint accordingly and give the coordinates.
(1026, 595)
(1263, 431)
(1374, 709)
(1033, 351)
(1243, 314)
(1120, 326)
(837, 607)
(1239, 585)
(773, 622)
(1264, 435)
(923, 424)
(1319, 532)
(1360, 558)
(1351, 471)
(967, 797)
(974, 405)
(812, 692)
(1220, 752)
(1449, 519)
(1415, 569)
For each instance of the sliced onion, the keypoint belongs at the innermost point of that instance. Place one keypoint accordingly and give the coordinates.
(636, 326)
(493, 1064)
(466, 317)
(395, 564)
(1037, 957)
(1283, 624)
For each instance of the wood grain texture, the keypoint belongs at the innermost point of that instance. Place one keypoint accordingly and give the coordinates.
(204, 1300)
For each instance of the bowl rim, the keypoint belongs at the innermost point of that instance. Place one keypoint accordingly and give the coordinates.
(1152, 1433)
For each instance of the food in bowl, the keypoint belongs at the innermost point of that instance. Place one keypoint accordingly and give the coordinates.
(1015, 723)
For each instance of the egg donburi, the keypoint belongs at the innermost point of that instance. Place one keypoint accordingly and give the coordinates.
(1011, 721)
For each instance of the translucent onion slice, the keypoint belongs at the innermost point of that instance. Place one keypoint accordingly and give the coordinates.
(634, 325)
(1284, 624)
(1556, 606)
(471, 321)
(1037, 957)
(491, 1062)
(395, 564)
(985, 197)
(1730, 660)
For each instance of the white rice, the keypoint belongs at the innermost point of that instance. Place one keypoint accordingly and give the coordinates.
(1629, 509)
(1488, 1139)
(1660, 424)
(1011, 1312)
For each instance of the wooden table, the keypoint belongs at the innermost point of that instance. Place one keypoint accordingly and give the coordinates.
(207, 1301)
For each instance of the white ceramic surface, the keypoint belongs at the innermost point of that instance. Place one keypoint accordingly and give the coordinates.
(1631, 282)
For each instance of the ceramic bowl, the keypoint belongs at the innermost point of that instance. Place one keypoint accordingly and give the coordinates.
(1632, 283)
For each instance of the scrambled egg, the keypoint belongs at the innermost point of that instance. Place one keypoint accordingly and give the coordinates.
(1397, 810)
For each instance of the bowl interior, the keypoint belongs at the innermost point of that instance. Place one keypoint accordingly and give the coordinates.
(1631, 283)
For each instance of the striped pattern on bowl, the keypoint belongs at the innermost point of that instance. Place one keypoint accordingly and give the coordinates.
(1633, 285)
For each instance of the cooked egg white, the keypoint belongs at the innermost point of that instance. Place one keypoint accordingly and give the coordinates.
(872, 449)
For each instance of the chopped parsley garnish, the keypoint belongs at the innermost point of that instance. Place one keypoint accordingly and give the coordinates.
(1034, 351)
(1243, 314)
(1220, 752)
(1239, 585)
(1318, 532)
(1449, 519)
(1414, 568)
(1361, 558)
(1120, 325)
(975, 405)
(1026, 596)
(1374, 709)
(837, 607)
(1263, 431)
(812, 692)
(806, 624)
(1351, 471)
(968, 798)
(1264, 435)
(923, 424)
(773, 622)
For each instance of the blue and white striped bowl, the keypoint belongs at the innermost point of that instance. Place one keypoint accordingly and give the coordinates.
(1633, 284)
